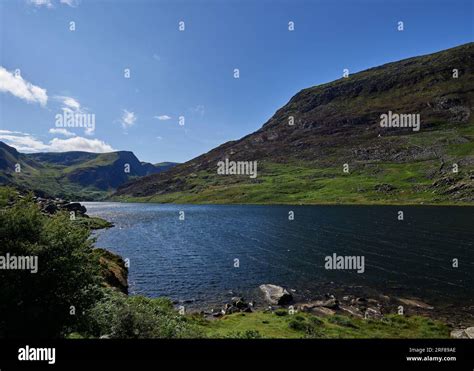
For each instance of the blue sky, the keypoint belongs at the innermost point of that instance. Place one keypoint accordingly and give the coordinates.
(190, 73)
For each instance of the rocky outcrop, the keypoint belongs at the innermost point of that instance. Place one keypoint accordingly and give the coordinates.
(467, 333)
(236, 305)
(276, 295)
(113, 269)
(75, 207)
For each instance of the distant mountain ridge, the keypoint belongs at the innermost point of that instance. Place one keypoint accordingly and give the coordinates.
(73, 174)
(338, 123)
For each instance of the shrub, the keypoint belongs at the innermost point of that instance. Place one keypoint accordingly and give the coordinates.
(281, 312)
(342, 321)
(39, 304)
(119, 316)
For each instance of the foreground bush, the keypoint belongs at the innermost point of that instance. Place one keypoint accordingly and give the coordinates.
(119, 316)
(52, 300)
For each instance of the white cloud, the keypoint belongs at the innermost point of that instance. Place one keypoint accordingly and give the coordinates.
(24, 143)
(71, 105)
(89, 131)
(39, 3)
(128, 119)
(61, 131)
(12, 132)
(49, 3)
(79, 144)
(159, 138)
(156, 57)
(22, 89)
(71, 3)
(162, 117)
(69, 102)
(28, 143)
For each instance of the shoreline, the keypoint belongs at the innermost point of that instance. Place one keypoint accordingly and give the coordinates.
(442, 204)
(356, 302)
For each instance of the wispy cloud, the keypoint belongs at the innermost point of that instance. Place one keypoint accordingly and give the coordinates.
(28, 143)
(156, 57)
(49, 3)
(20, 88)
(128, 119)
(69, 102)
(39, 3)
(71, 3)
(199, 109)
(60, 131)
(162, 117)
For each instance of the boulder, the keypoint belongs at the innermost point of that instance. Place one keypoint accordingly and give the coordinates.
(50, 208)
(276, 295)
(318, 311)
(470, 332)
(353, 311)
(373, 313)
(74, 206)
(458, 334)
(239, 303)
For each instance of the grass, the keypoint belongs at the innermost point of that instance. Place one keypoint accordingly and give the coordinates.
(304, 183)
(305, 325)
(93, 222)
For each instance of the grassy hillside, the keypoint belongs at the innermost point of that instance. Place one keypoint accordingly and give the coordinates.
(339, 123)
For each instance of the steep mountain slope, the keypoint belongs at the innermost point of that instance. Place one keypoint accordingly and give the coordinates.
(81, 175)
(340, 123)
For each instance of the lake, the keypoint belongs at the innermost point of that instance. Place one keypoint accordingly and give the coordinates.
(193, 261)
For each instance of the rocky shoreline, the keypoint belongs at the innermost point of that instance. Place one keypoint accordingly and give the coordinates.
(276, 298)
(353, 302)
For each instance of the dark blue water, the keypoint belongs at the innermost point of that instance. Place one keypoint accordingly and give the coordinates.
(193, 260)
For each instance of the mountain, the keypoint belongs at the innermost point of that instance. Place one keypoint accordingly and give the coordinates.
(82, 175)
(341, 123)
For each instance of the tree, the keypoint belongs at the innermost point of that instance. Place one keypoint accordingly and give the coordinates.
(67, 283)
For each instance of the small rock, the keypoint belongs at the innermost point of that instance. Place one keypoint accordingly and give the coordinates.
(353, 311)
(373, 313)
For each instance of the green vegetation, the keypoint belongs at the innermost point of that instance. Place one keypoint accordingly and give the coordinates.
(39, 304)
(93, 222)
(302, 183)
(119, 316)
(72, 175)
(339, 123)
(66, 296)
(305, 325)
(75, 294)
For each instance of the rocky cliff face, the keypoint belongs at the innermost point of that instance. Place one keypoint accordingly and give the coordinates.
(113, 270)
(340, 122)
